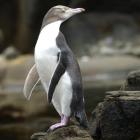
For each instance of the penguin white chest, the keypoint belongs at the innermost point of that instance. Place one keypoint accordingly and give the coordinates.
(46, 50)
(46, 55)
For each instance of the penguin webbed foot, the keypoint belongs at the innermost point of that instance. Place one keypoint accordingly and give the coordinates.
(55, 126)
(64, 122)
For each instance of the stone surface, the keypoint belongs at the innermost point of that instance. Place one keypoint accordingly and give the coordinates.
(117, 117)
(18, 68)
(107, 70)
(14, 107)
(65, 133)
(10, 53)
(3, 71)
(133, 81)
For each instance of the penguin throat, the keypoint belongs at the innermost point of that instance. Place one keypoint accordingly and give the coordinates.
(48, 35)
(53, 28)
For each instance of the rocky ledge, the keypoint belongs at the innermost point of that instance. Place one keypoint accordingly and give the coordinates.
(132, 82)
(117, 117)
(72, 132)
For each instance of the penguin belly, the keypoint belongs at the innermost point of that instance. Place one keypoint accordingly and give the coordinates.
(63, 92)
(46, 62)
(63, 95)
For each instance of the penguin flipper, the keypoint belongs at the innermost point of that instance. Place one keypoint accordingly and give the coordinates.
(59, 71)
(31, 81)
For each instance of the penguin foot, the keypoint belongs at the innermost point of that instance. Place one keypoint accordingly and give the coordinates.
(57, 125)
(64, 122)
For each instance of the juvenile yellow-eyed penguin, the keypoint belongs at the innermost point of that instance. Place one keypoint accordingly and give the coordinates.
(57, 68)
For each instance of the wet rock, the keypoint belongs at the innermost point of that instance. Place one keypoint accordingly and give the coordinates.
(109, 45)
(117, 117)
(3, 71)
(15, 107)
(18, 68)
(11, 52)
(133, 81)
(107, 70)
(65, 133)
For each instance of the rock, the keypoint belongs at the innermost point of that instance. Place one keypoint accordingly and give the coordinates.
(117, 117)
(107, 70)
(21, 64)
(14, 106)
(133, 81)
(3, 71)
(65, 133)
(111, 46)
(10, 53)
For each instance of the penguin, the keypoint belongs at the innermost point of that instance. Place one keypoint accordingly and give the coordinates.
(57, 69)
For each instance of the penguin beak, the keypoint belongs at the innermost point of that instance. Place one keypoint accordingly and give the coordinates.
(78, 10)
(71, 12)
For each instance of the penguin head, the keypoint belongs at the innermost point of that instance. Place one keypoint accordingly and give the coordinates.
(61, 13)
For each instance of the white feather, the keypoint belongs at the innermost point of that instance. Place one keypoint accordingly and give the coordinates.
(31, 81)
(46, 52)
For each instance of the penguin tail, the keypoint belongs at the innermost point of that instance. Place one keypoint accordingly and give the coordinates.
(82, 119)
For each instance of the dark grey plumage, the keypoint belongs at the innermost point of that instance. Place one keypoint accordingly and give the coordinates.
(68, 62)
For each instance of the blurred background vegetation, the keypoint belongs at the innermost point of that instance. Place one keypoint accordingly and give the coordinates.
(105, 39)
